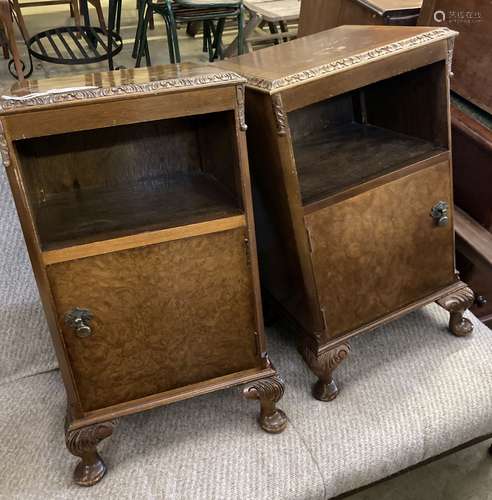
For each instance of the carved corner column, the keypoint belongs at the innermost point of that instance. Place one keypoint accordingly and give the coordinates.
(240, 93)
(269, 392)
(83, 444)
(457, 303)
(280, 114)
(323, 366)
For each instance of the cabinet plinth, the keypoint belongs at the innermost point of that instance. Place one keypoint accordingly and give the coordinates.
(349, 152)
(133, 193)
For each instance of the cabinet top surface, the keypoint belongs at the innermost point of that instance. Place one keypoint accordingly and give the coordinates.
(114, 84)
(382, 6)
(320, 55)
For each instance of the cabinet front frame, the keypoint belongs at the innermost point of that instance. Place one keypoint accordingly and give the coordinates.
(306, 93)
(77, 116)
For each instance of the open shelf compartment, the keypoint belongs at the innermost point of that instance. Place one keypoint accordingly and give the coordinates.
(358, 136)
(111, 182)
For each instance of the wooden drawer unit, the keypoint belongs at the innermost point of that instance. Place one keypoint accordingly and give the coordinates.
(138, 221)
(349, 151)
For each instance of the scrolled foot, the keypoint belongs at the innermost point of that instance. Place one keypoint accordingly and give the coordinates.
(457, 303)
(82, 443)
(323, 366)
(268, 391)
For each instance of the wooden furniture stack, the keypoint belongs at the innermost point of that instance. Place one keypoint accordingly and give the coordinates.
(320, 15)
(276, 14)
(471, 120)
(133, 193)
(349, 150)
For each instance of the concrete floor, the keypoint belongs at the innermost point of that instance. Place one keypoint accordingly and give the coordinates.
(466, 475)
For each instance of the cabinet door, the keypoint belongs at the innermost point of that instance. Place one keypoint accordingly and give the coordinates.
(381, 250)
(164, 316)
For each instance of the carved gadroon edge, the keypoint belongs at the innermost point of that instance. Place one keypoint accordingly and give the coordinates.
(4, 149)
(280, 115)
(456, 303)
(59, 96)
(272, 86)
(240, 91)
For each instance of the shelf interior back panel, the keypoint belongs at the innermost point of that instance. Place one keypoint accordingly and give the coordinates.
(335, 158)
(105, 183)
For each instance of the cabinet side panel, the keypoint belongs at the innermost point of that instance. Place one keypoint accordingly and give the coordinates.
(381, 250)
(281, 236)
(21, 200)
(164, 316)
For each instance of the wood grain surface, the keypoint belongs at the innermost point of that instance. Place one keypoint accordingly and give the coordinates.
(165, 316)
(381, 250)
(99, 184)
(341, 49)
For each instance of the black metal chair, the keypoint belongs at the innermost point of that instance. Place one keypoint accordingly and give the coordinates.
(213, 14)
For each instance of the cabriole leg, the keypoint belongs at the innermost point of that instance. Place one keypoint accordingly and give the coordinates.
(269, 392)
(83, 443)
(323, 366)
(457, 303)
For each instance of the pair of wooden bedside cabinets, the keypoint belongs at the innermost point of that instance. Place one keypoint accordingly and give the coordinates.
(134, 196)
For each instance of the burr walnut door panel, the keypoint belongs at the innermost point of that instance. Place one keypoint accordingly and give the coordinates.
(164, 316)
(381, 250)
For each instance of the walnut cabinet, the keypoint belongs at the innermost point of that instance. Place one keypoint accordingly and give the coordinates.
(134, 197)
(349, 149)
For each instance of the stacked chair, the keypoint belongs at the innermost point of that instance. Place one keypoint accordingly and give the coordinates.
(213, 15)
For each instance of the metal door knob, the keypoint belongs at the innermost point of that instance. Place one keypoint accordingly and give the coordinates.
(440, 213)
(78, 319)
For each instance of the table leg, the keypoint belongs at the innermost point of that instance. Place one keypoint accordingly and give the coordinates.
(251, 25)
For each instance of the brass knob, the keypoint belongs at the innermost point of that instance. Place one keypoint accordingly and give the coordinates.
(78, 319)
(439, 213)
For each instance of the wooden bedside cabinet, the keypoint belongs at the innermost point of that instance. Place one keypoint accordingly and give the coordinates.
(349, 151)
(133, 193)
